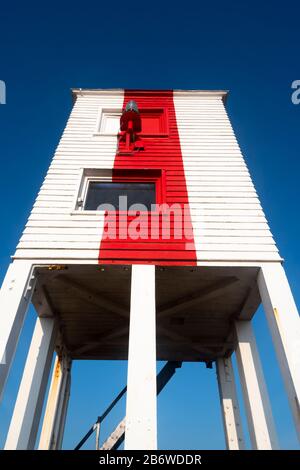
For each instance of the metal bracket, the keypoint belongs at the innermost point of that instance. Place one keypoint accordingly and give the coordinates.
(30, 286)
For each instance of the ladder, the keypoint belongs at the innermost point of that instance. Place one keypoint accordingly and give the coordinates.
(116, 438)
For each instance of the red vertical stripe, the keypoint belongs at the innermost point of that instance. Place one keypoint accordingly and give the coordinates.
(161, 153)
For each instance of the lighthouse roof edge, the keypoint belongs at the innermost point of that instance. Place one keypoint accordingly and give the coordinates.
(117, 91)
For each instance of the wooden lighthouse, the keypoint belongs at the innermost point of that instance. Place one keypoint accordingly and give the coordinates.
(147, 242)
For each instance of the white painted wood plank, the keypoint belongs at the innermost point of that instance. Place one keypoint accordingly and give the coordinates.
(74, 229)
(58, 191)
(57, 402)
(25, 420)
(228, 228)
(203, 202)
(141, 413)
(202, 246)
(71, 254)
(256, 399)
(15, 296)
(84, 217)
(284, 323)
(229, 405)
(95, 238)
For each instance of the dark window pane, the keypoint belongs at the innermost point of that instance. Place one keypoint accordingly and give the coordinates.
(108, 193)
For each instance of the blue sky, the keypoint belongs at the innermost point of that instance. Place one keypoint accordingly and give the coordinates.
(249, 48)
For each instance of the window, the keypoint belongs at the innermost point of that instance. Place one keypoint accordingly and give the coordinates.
(126, 194)
(100, 187)
(154, 122)
(108, 122)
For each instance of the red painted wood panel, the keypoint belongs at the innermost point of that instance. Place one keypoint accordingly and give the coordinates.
(153, 245)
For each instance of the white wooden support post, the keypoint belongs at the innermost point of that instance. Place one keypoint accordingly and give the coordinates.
(57, 403)
(15, 296)
(141, 420)
(27, 412)
(258, 408)
(63, 416)
(229, 405)
(284, 324)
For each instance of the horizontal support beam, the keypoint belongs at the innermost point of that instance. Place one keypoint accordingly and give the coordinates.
(194, 298)
(92, 297)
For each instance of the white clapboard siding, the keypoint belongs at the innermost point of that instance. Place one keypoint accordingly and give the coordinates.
(195, 140)
(77, 149)
(82, 218)
(228, 228)
(94, 237)
(227, 218)
(49, 232)
(61, 255)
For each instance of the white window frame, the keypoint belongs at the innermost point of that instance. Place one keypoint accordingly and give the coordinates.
(86, 176)
(102, 115)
